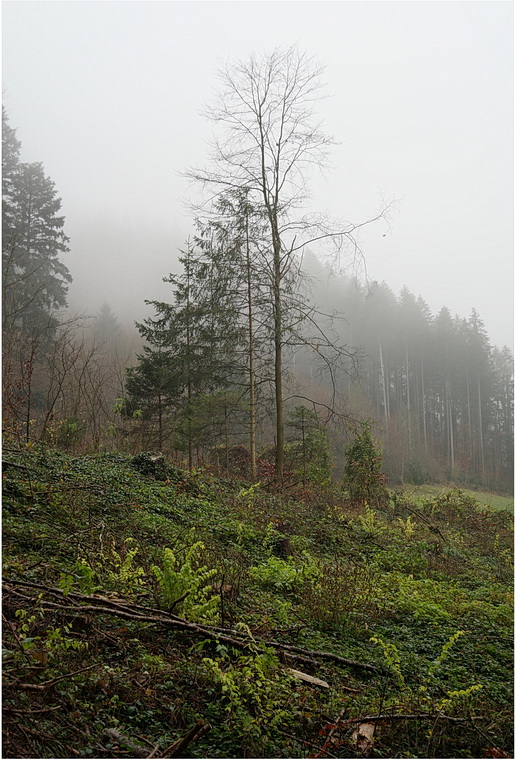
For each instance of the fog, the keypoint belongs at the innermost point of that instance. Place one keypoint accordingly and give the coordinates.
(108, 96)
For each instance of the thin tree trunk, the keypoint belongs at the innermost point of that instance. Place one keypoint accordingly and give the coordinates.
(480, 421)
(160, 421)
(188, 368)
(408, 399)
(383, 378)
(424, 421)
(278, 378)
(252, 401)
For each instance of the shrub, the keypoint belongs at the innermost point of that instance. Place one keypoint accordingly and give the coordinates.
(363, 477)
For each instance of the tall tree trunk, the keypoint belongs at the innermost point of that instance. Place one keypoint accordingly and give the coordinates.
(424, 413)
(408, 399)
(480, 424)
(188, 368)
(252, 400)
(278, 344)
(278, 379)
(160, 421)
(450, 431)
(385, 392)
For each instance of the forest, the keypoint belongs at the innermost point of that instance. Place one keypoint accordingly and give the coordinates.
(300, 479)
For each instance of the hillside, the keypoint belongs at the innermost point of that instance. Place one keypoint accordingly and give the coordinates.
(154, 612)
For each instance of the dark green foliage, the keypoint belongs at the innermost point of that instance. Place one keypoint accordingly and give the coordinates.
(35, 280)
(363, 477)
(190, 353)
(154, 386)
(307, 450)
(151, 465)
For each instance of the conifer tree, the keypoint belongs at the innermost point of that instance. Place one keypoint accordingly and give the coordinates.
(192, 342)
(35, 280)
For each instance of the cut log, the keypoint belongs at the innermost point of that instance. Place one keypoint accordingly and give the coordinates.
(309, 679)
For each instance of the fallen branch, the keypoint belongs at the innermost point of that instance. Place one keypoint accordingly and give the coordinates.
(313, 653)
(104, 605)
(432, 526)
(32, 712)
(411, 716)
(48, 684)
(116, 737)
(177, 748)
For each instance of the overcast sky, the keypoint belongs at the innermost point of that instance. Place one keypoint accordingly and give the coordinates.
(108, 96)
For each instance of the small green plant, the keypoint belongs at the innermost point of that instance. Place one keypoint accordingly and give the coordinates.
(275, 574)
(255, 691)
(52, 642)
(247, 495)
(185, 586)
(115, 570)
(408, 526)
(284, 575)
(123, 573)
(391, 657)
(445, 652)
(370, 523)
(458, 698)
(428, 694)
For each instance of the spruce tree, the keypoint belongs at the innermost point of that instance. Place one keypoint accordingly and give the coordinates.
(191, 340)
(35, 280)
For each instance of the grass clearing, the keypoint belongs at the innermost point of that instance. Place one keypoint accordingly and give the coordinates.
(496, 501)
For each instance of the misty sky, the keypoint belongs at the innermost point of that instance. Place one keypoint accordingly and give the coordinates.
(108, 96)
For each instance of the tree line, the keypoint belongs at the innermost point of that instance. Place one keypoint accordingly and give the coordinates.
(440, 393)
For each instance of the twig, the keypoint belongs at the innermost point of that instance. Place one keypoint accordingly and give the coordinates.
(426, 520)
(340, 717)
(17, 466)
(48, 684)
(32, 712)
(308, 744)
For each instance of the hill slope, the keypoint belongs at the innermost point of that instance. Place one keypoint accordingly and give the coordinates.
(155, 612)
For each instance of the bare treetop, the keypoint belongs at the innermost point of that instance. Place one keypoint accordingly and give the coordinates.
(270, 136)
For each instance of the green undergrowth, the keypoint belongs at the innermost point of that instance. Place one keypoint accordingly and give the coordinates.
(421, 589)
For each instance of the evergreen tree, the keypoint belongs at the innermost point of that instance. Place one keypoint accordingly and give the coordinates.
(153, 387)
(363, 477)
(232, 241)
(35, 280)
(191, 341)
(307, 448)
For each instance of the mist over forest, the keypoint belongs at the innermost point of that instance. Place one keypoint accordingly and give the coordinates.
(257, 407)
(439, 394)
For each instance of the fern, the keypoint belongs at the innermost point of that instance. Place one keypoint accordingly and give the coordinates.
(185, 589)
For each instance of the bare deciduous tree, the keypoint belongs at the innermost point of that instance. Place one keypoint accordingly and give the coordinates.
(270, 143)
